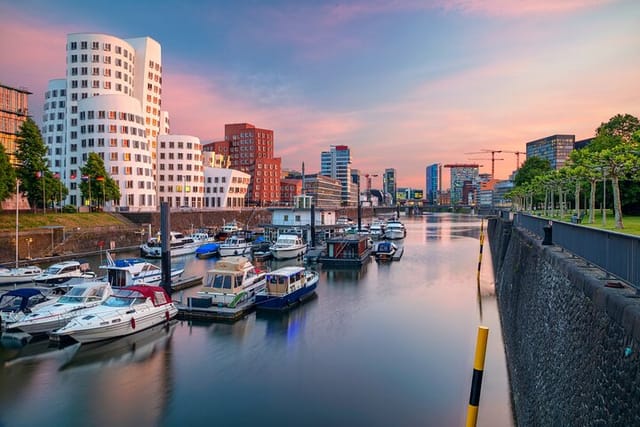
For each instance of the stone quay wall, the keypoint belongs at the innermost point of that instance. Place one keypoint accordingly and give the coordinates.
(572, 339)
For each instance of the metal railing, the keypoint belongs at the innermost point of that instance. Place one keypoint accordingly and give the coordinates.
(618, 254)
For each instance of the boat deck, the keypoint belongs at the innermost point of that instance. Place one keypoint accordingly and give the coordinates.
(200, 308)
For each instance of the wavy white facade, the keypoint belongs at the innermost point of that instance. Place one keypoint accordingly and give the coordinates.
(112, 101)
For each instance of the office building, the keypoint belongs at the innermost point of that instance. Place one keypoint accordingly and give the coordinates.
(109, 103)
(336, 164)
(464, 183)
(14, 110)
(389, 184)
(555, 148)
(432, 183)
(325, 191)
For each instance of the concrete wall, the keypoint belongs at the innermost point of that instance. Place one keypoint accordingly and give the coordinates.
(572, 343)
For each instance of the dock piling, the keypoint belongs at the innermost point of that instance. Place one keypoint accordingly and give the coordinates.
(476, 382)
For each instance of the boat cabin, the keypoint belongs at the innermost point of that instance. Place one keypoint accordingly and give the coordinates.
(285, 280)
(229, 275)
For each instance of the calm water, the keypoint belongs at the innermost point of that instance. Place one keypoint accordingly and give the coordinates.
(388, 345)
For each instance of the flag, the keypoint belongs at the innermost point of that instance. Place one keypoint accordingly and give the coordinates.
(100, 178)
(56, 175)
(73, 176)
(39, 174)
(85, 177)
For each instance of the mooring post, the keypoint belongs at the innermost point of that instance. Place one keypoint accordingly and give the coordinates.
(476, 381)
(165, 236)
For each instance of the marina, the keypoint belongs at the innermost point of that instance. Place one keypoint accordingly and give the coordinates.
(322, 353)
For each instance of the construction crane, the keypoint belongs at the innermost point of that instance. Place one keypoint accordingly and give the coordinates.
(368, 177)
(517, 153)
(493, 158)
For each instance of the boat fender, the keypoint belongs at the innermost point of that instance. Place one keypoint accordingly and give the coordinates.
(235, 252)
(133, 323)
(166, 315)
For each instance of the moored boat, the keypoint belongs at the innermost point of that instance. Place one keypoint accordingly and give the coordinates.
(395, 230)
(235, 245)
(288, 246)
(229, 289)
(208, 250)
(78, 299)
(128, 310)
(63, 272)
(12, 276)
(135, 271)
(179, 245)
(385, 250)
(286, 287)
(346, 251)
(17, 303)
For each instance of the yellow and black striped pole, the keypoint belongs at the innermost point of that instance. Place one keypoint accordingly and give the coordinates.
(476, 381)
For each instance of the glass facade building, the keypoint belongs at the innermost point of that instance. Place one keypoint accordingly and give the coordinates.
(555, 148)
(336, 164)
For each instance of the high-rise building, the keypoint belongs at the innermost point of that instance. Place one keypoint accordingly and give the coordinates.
(433, 183)
(325, 191)
(336, 164)
(109, 103)
(14, 110)
(389, 183)
(250, 150)
(555, 148)
(464, 183)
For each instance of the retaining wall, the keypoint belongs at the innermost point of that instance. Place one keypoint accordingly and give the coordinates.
(572, 343)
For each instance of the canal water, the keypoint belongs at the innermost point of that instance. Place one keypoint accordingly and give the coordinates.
(387, 345)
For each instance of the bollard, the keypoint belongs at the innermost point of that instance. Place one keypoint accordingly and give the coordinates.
(548, 235)
(476, 381)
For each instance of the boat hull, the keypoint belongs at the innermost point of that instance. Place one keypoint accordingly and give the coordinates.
(268, 302)
(120, 328)
(288, 253)
(234, 251)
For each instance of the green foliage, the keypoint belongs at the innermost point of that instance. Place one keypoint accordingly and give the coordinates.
(99, 187)
(36, 180)
(69, 209)
(532, 167)
(7, 176)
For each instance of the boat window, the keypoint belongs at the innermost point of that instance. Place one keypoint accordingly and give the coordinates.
(115, 301)
(227, 282)
(93, 295)
(9, 303)
(37, 299)
(160, 298)
(74, 295)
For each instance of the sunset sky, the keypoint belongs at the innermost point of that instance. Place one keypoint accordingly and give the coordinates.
(404, 83)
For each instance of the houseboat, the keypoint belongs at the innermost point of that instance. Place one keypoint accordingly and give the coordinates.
(351, 250)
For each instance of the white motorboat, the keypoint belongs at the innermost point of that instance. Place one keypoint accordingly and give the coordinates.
(288, 246)
(234, 245)
(17, 303)
(75, 302)
(376, 230)
(384, 250)
(135, 271)
(12, 276)
(286, 287)
(129, 310)
(179, 244)
(233, 282)
(395, 230)
(62, 272)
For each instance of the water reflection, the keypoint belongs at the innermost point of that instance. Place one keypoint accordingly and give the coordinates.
(133, 348)
(345, 274)
(288, 324)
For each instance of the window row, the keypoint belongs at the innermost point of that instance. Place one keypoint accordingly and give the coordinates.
(84, 45)
(54, 93)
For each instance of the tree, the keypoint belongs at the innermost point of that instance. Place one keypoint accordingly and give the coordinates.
(32, 165)
(531, 168)
(618, 128)
(619, 164)
(96, 183)
(7, 176)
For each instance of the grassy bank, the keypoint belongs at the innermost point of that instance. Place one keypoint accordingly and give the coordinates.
(29, 220)
(631, 223)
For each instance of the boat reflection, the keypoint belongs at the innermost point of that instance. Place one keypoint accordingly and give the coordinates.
(22, 348)
(344, 274)
(288, 324)
(130, 349)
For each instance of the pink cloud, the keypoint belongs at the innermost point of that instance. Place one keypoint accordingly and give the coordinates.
(506, 8)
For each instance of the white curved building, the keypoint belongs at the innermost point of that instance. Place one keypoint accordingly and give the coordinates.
(112, 101)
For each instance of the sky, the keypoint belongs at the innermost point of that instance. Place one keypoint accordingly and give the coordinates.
(403, 83)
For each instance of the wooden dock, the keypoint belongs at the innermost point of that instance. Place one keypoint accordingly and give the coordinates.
(200, 308)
